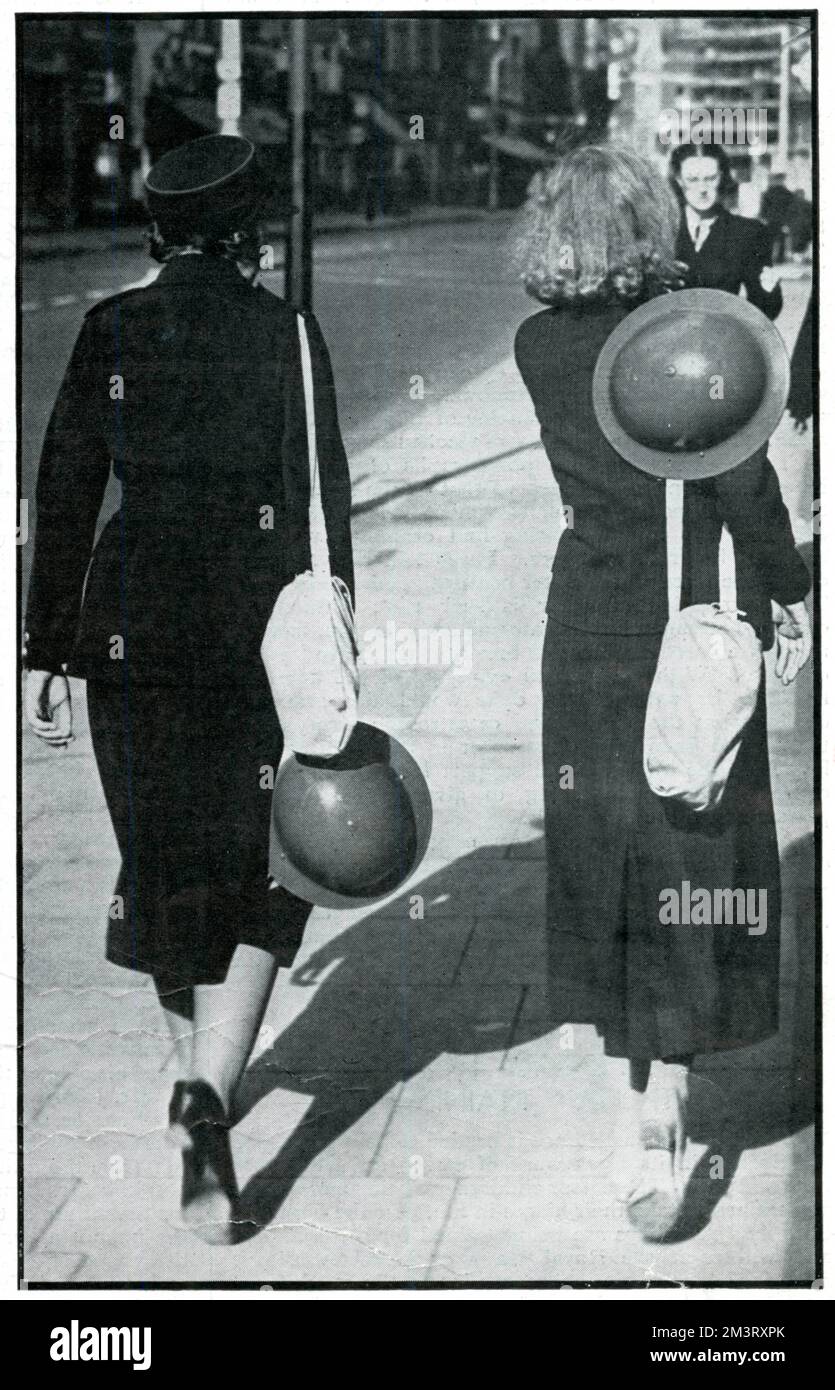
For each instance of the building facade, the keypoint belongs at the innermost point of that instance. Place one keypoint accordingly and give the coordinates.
(437, 107)
(745, 71)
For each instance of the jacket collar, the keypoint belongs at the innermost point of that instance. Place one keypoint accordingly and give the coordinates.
(199, 271)
(715, 230)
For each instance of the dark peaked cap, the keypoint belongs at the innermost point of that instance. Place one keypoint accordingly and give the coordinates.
(209, 186)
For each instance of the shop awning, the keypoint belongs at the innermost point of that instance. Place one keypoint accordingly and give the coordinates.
(388, 124)
(516, 147)
(258, 123)
(264, 126)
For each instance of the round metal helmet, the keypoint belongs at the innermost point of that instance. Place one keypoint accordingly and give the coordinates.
(691, 384)
(348, 830)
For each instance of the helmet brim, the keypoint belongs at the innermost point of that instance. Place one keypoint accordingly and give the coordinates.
(691, 308)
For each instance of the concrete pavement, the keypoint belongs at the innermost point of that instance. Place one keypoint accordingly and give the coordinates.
(409, 1116)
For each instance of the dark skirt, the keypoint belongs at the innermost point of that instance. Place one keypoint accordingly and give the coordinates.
(652, 989)
(186, 777)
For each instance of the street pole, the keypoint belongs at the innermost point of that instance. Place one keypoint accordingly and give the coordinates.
(229, 73)
(781, 159)
(495, 89)
(298, 275)
(648, 66)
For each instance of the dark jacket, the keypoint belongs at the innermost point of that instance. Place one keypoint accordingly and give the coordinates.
(209, 442)
(732, 255)
(610, 570)
(801, 402)
(775, 206)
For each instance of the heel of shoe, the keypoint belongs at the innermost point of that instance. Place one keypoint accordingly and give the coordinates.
(177, 1133)
(178, 1137)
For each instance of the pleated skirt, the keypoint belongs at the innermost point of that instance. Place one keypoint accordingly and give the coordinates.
(614, 851)
(186, 775)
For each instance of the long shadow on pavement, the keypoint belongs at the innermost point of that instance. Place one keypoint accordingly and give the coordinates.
(400, 993)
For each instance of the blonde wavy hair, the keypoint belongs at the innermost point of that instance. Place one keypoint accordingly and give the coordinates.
(600, 225)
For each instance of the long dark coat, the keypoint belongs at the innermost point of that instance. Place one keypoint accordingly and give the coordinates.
(801, 402)
(612, 846)
(191, 389)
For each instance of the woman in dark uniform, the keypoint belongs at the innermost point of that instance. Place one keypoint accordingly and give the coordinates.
(599, 240)
(191, 389)
(721, 250)
(801, 402)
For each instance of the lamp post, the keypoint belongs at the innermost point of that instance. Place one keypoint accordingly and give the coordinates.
(781, 157)
(298, 275)
(494, 89)
(229, 73)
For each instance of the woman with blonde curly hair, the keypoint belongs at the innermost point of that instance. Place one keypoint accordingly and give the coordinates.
(597, 240)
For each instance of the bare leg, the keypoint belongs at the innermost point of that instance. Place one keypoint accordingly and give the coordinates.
(227, 1018)
(212, 1051)
(639, 1104)
(178, 1010)
(630, 1079)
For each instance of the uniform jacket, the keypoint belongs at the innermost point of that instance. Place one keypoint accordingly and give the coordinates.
(610, 570)
(732, 255)
(207, 434)
(776, 205)
(804, 374)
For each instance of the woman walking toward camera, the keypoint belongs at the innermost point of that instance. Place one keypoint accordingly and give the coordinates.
(192, 389)
(721, 250)
(598, 241)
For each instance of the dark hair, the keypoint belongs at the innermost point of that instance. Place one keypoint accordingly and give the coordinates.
(242, 245)
(598, 227)
(235, 236)
(705, 151)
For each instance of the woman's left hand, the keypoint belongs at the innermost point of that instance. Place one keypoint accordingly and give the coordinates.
(794, 641)
(769, 277)
(49, 707)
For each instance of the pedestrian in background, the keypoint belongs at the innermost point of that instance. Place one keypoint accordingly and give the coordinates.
(192, 389)
(775, 211)
(801, 402)
(721, 250)
(599, 239)
(801, 226)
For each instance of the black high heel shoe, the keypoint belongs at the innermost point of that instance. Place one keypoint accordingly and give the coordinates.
(199, 1126)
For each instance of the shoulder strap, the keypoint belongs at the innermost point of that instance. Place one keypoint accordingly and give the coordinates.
(319, 555)
(674, 497)
(727, 571)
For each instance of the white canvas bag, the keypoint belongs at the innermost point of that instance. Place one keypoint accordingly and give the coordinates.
(706, 683)
(309, 648)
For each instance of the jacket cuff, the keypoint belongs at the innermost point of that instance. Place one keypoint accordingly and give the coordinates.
(795, 589)
(37, 656)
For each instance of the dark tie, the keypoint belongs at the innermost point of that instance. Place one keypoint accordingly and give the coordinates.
(702, 229)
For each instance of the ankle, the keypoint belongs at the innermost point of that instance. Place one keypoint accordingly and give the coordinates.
(669, 1076)
(218, 1084)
